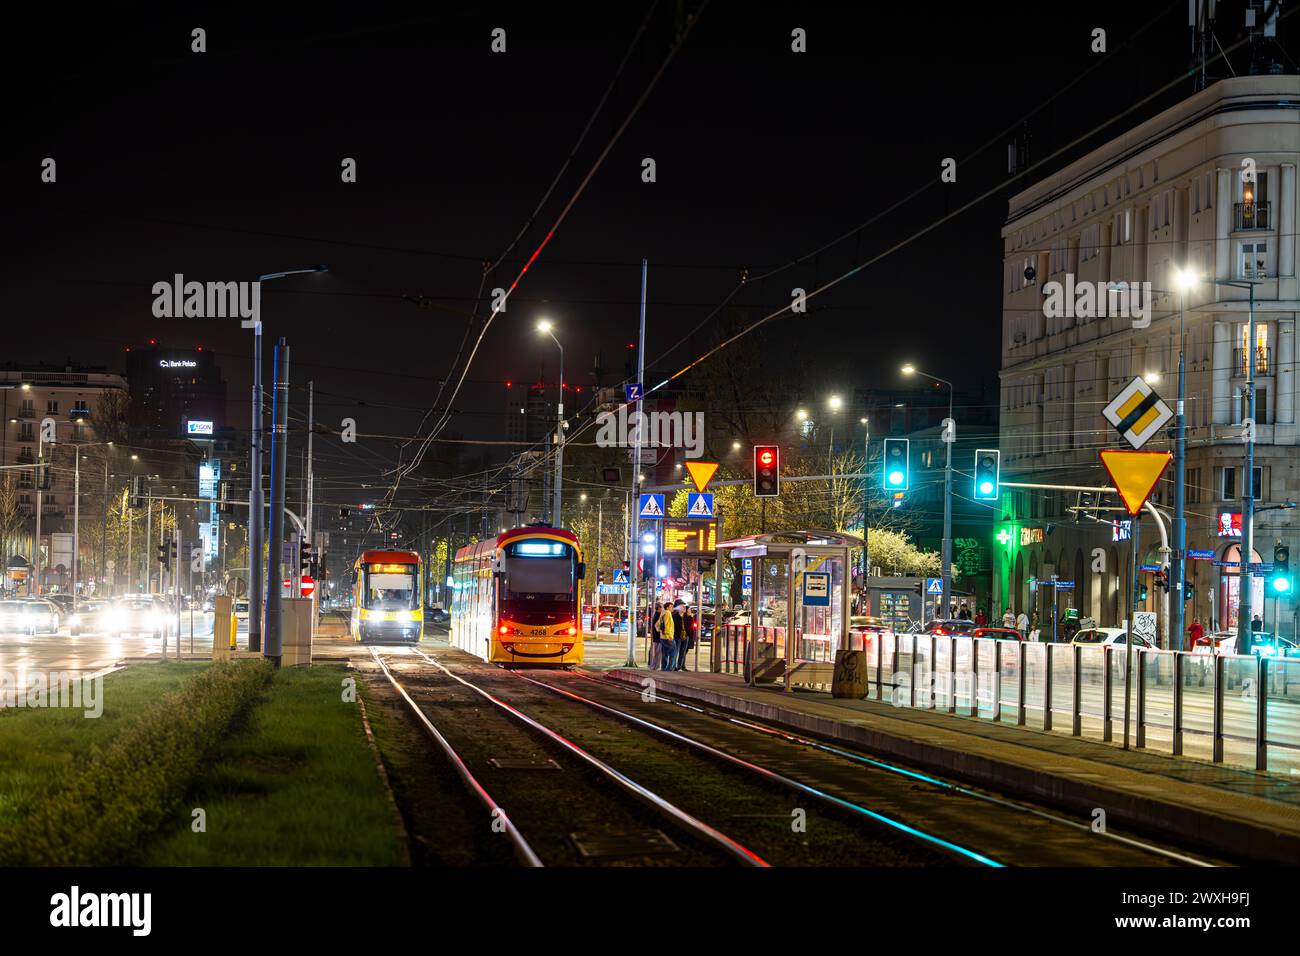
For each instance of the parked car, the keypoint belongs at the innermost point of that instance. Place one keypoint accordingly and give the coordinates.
(438, 615)
(1101, 636)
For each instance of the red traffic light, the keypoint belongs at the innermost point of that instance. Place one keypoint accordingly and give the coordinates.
(766, 457)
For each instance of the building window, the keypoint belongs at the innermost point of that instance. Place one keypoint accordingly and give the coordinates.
(26, 432)
(26, 409)
(1252, 260)
(52, 407)
(1229, 490)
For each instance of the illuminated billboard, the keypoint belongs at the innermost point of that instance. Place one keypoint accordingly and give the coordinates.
(198, 428)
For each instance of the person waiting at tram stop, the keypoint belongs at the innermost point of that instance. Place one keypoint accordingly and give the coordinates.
(656, 638)
(1256, 623)
(679, 633)
(690, 631)
(668, 650)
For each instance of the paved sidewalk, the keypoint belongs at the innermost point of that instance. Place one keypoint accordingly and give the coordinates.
(1236, 812)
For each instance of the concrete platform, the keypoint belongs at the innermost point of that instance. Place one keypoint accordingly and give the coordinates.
(1240, 814)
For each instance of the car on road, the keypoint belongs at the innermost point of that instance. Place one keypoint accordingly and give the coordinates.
(438, 615)
(49, 616)
(139, 614)
(89, 617)
(25, 617)
(611, 617)
(1010, 653)
(943, 626)
(1261, 644)
(1102, 636)
(866, 628)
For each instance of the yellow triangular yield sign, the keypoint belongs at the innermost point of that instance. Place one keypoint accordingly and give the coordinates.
(1134, 474)
(701, 473)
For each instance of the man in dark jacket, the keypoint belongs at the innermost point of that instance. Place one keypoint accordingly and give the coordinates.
(681, 638)
(692, 630)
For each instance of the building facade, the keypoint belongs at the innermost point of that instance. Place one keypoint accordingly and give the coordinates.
(1207, 186)
(74, 405)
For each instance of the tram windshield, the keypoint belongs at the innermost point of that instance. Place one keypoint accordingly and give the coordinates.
(540, 570)
(390, 587)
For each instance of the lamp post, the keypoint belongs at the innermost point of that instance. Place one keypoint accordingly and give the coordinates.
(76, 508)
(1245, 578)
(545, 327)
(945, 571)
(1178, 569)
(256, 516)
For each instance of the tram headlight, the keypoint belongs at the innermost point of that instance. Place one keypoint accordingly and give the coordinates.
(403, 616)
(572, 630)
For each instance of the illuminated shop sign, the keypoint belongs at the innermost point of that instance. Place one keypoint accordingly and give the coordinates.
(177, 363)
(1030, 536)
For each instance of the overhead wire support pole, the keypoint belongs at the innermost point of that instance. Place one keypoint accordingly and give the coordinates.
(634, 521)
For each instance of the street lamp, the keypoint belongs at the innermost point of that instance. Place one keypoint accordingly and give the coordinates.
(76, 509)
(949, 435)
(256, 573)
(1186, 280)
(544, 326)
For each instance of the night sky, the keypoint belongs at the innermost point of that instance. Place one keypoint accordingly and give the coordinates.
(226, 164)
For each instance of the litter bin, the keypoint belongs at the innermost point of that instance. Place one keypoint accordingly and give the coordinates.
(850, 679)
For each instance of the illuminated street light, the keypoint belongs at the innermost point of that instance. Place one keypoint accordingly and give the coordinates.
(801, 414)
(835, 403)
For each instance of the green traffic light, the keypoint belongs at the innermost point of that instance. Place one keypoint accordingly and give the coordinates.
(895, 477)
(1281, 585)
(986, 487)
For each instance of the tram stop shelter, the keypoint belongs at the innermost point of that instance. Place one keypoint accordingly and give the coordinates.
(795, 614)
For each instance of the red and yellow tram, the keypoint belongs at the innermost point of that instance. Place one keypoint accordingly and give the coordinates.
(516, 598)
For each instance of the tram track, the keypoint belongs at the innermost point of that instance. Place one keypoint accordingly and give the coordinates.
(1023, 834)
(614, 806)
(762, 811)
(1147, 846)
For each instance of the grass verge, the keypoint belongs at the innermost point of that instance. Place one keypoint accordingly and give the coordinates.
(295, 785)
(106, 806)
(40, 747)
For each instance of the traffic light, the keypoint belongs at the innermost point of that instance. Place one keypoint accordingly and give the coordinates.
(136, 500)
(305, 557)
(1162, 579)
(171, 550)
(600, 577)
(162, 554)
(1281, 578)
(896, 463)
(988, 468)
(43, 477)
(1142, 592)
(767, 471)
(1189, 591)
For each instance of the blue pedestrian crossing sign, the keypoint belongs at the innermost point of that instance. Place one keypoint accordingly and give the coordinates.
(699, 504)
(934, 585)
(620, 576)
(632, 391)
(652, 506)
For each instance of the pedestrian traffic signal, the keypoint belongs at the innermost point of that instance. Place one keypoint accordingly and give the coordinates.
(1142, 592)
(1281, 578)
(896, 463)
(1189, 591)
(988, 468)
(767, 471)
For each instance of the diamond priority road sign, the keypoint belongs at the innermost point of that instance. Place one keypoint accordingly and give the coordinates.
(1137, 412)
(1134, 473)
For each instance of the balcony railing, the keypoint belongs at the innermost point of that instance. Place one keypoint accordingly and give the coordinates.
(1263, 361)
(1250, 215)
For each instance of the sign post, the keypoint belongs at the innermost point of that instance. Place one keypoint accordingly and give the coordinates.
(1134, 474)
